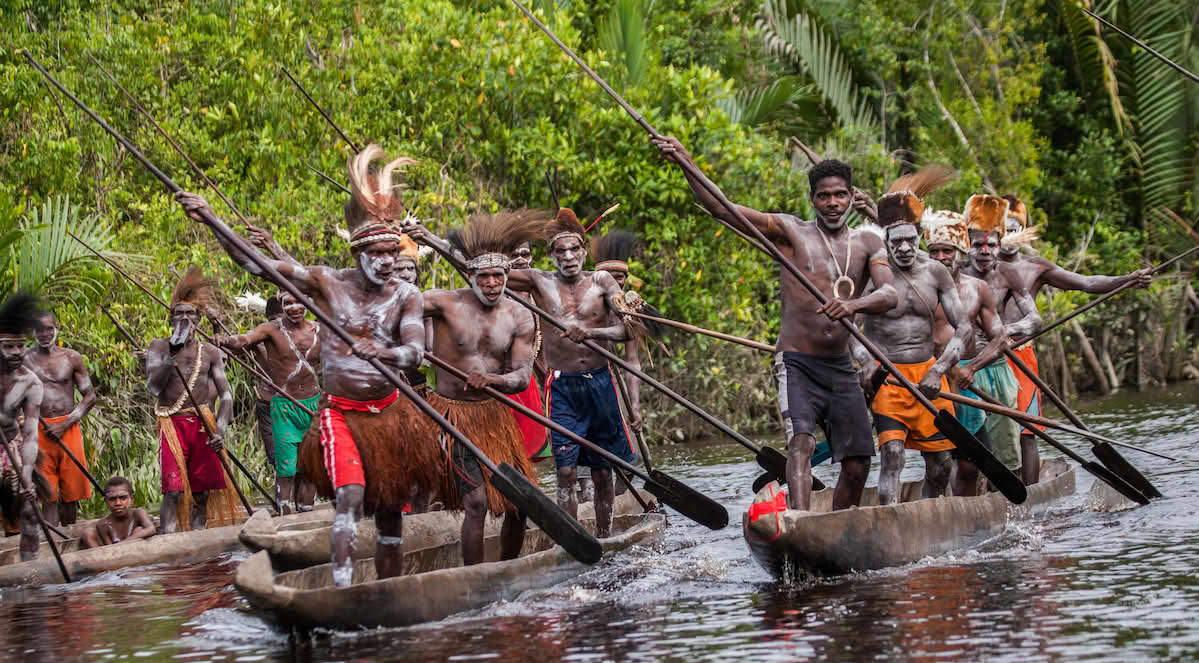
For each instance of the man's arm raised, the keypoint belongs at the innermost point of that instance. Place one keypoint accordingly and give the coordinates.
(253, 337)
(770, 226)
(1097, 284)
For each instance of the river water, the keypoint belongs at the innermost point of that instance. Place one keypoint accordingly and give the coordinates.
(1075, 583)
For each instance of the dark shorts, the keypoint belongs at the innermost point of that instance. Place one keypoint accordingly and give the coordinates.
(262, 415)
(587, 405)
(823, 393)
(468, 473)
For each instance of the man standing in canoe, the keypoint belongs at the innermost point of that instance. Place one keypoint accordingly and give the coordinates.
(292, 347)
(1031, 273)
(20, 397)
(818, 387)
(372, 449)
(946, 238)
(905, 334)
(194, 487)
(985, 218)
(491, 338)
(62, 372)
(535, 435)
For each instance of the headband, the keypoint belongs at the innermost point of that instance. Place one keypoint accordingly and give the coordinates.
(487, 261)
(565, 233)
(371, 233)
(614, 266)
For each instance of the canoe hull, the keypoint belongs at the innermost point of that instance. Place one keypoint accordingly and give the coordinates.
(807, 543)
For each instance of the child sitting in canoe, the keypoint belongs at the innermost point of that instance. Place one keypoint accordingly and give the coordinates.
(123, 523)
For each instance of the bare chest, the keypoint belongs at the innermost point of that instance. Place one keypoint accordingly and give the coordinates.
(55, 368)
(473, 333)
(366, 315)
(582, 301)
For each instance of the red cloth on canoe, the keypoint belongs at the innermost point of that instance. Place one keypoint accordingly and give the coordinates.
(533, 432)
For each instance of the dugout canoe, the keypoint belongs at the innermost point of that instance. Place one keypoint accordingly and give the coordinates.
(178, 548)
(794, 544)
(435, 585)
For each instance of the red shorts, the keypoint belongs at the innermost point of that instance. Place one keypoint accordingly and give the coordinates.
(204, 471)
(533, 433)
(342, 460)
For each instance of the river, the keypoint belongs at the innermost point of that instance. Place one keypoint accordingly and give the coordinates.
(1072, 584)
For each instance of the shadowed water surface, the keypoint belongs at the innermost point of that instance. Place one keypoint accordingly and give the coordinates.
(1074, 584)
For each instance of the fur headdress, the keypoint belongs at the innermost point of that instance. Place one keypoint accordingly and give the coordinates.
(947, 228)
(904, 201)
(986, 213)
(488, 239)
(409, 249)
(375, 201)
(565, 224)
(1016, 209)
(19, 316)
(193, 289)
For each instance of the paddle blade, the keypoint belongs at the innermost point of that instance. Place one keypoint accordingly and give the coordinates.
(1114, 480)
(556, 523)
(774, 462)
(1113, 461)
(968, 446)
(687, 501)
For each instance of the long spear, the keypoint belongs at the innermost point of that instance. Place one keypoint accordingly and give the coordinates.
(706, 332)
(997, 472)
(12, 460)
(555, 522)
(1138, 42)
(319, 109)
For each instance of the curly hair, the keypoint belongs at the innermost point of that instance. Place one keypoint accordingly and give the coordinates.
(830, 168)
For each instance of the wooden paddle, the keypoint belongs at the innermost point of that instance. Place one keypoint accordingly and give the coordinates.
(623, 391)
(28, 485)
(672, 492)
(555, 522)
(999, 475)
(1018, 415)
(70, 454)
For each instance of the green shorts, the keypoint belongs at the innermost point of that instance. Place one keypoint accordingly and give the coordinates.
(288, 425)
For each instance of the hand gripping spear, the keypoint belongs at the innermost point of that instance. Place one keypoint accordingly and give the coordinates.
(967, 444)
(555, 522)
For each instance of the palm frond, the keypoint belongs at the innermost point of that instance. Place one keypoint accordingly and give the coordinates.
(622, 34)
(750, 108)
(1097, 65)
(47, 261)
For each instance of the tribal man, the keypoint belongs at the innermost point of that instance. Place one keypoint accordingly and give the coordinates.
(985, 226)
(536, 437)
(62, 372)
(491, 338)
(292, 345)
(21, 400)
(1032, 273)
(372, 448)
(191, 469)
(818, 387)
(905, 334)
(946, 238)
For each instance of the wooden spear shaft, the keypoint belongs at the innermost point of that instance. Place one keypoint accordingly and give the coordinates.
(706, 332)
(12, 459)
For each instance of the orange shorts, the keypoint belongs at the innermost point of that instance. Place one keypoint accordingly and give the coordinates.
(1029, 398)
(899, 416)
(68, 483)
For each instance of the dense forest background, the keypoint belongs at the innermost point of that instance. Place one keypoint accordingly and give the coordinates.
(1023, 96)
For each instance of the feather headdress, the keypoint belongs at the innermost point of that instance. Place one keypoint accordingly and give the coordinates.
(19, 315)
(565, 224)
(904, 201)
(1021, 239)
(375, 201)
(251, 301)
(986, 213)
(946, 228)
(193, 289)
(488, 239)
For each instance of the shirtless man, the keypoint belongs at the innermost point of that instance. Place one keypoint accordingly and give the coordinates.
(292, 346)
(190, 465)
(20, 395)
(490, 337)
(985, 218)
(366, 428)
(61, 371)
(946, 237)
(818, 387)
(905, 334)
(124, 523)
(1032, 273)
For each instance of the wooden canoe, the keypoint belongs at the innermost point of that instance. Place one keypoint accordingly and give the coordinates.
(435, 585)
(181, 547)
(793, 544)
(301, 547)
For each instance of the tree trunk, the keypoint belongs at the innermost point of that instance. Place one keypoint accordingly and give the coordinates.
(1088, 354)
(1067, 382)
(1105, 356)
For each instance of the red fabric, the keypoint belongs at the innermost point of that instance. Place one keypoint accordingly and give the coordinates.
(533, 432)
(364, 406)
(759, 509)
(203, 466)
(1029, 398)
(342, 461)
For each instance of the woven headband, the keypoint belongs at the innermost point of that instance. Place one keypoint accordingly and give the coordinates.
(373, 232)
(487, 261)
(565, 233)
(614, 266)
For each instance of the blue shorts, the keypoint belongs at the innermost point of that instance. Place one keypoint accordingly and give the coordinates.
(587, 405)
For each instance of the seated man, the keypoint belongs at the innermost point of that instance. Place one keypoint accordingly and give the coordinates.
(123, 523)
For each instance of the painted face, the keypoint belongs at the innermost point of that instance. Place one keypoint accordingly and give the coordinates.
(983, 248)
(488, 284)
(568, 255)
(12, 351)
(1012, 225)
(184, 319)
(294, 310)
(902, 241)
(522, 257)
(118, 499)
(378, 261)
(944, 254)
(620, 277)
(46, 332)
(406, 270)
(831, 198)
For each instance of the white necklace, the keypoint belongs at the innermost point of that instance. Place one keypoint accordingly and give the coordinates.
(841, 277)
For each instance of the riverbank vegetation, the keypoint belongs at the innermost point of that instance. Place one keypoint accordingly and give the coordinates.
(1024, 97)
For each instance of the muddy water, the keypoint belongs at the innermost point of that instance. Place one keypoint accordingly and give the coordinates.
(1074, 584)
